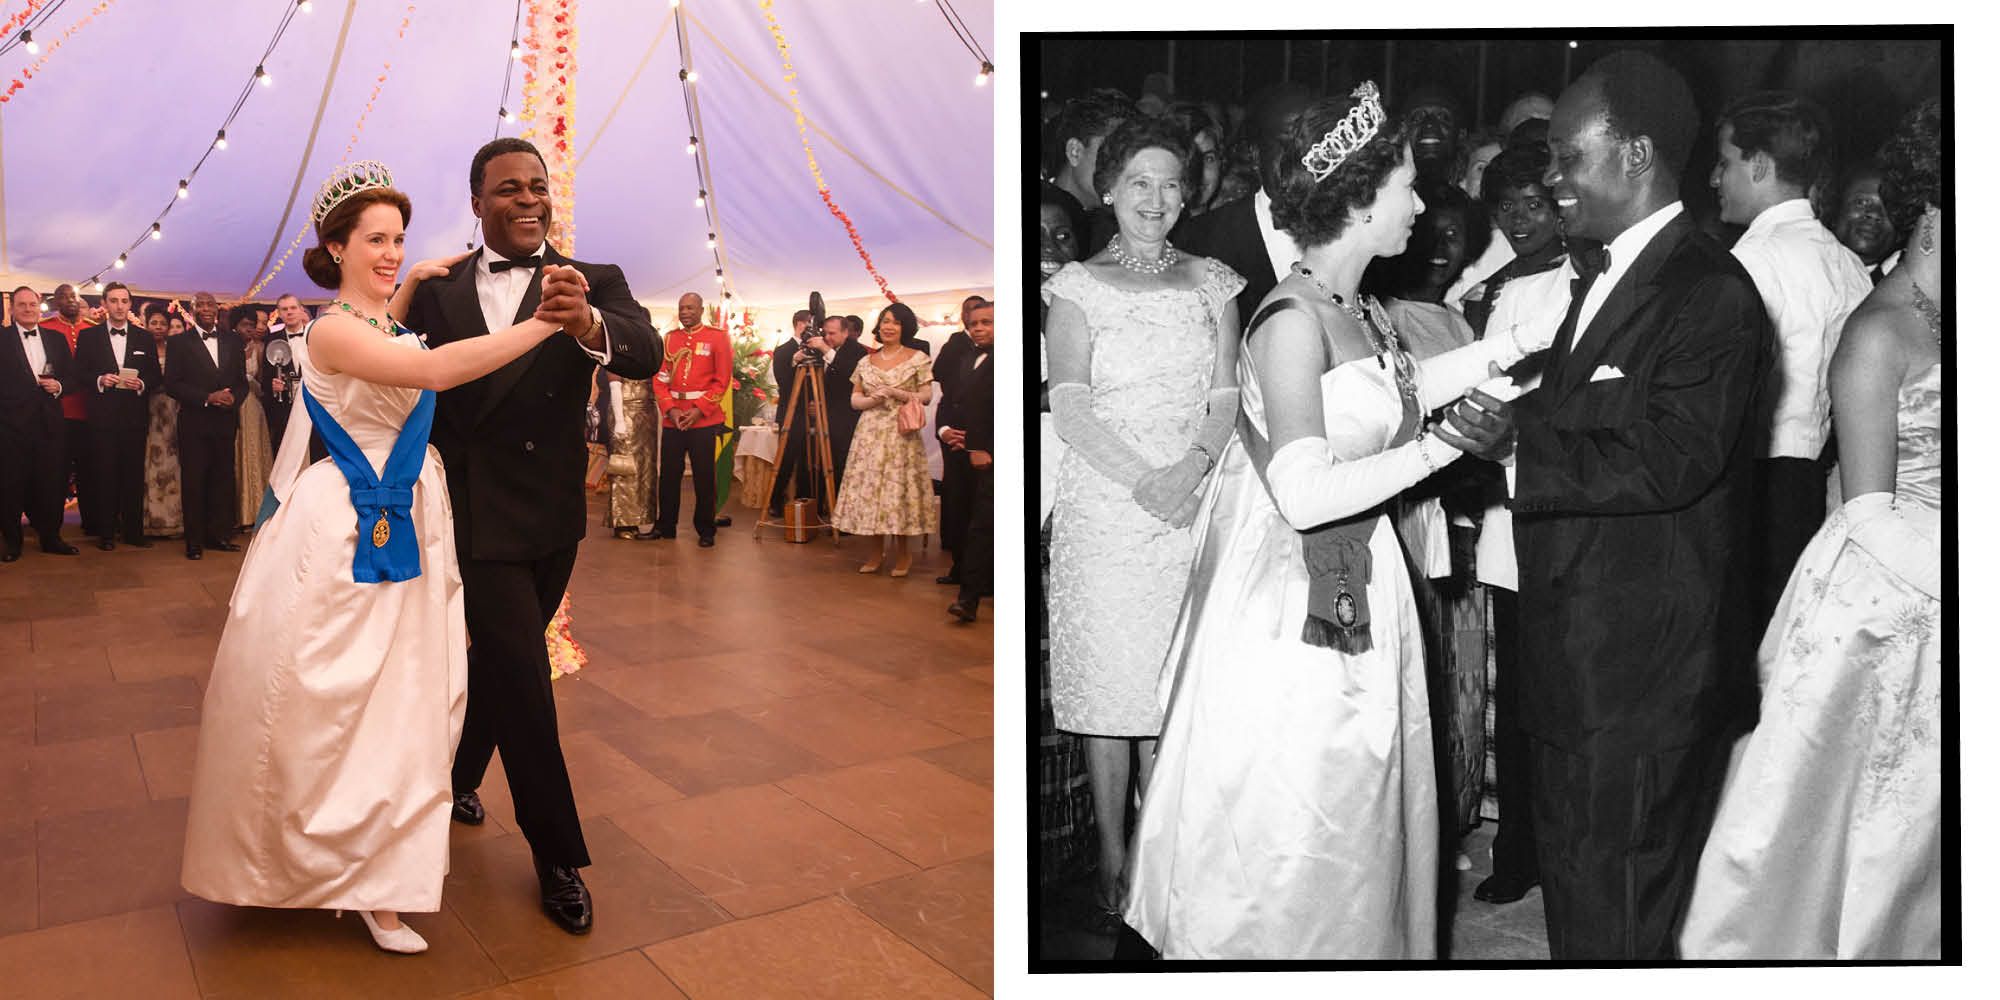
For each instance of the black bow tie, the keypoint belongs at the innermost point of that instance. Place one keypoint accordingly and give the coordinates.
(1589, 262)
(504, 263)
(205, 334)
(30, 334)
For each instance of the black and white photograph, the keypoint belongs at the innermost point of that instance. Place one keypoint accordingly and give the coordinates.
(1490, 498)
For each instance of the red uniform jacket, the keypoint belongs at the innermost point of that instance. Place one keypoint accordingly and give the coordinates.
(695, 374)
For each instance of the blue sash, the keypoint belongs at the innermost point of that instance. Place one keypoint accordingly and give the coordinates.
(386, 549)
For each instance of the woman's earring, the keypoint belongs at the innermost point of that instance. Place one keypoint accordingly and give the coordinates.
(336, 258)
(1928, 241)
(1368, 219)
(1107, 199)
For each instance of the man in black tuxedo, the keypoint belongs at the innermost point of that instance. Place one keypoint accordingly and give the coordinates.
(844, 336)
(271, 381)
(514, 457)
(119, 415)
(792, 465)
(35, 372)
(205, 375)
(1079, 132)
(1240, 233)
(1633, 512)
(953, 366)
(965, 421)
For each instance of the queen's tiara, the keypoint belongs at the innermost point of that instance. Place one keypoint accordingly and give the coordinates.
(1362, 122)
(351, 179)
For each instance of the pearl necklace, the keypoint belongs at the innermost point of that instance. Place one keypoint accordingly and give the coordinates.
(1168, 258)
(1931, 313)
(1374, 321)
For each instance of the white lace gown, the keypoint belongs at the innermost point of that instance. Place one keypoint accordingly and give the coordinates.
(1827, 842)
(323, 770)
(1292, 811)
(1116, 572)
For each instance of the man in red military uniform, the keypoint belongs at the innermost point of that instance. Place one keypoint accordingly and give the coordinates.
(690, 387)
(70, 319)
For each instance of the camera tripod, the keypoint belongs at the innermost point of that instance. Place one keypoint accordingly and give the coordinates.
(808, 384)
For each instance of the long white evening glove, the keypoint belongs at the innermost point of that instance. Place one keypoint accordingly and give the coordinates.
(1447, 377)
(1311, 488)
(1219, 423)
(1078, 424)
(1165, 492)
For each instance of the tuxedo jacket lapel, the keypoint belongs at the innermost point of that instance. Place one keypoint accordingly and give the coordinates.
(501, 382)
(1634, 290)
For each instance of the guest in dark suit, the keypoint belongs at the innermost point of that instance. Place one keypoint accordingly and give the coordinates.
(1240, 233)
(840, 413)
(1077, 135)
(205, 375)
(968, 412)
(119, 414)
(513, 449)
(272, 387)
(1632, 516)
(78, 468)
(792, 458)
(35, 372)
(952, 367)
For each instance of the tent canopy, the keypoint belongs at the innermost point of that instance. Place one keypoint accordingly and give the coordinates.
(96, 142)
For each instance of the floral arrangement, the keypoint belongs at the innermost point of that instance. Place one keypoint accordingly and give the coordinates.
(752, 369)
(565, 656)
(548, 106)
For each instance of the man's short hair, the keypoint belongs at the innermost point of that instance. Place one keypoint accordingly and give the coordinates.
(500, 147)
(1644, 96)
(288, 295)
(983, 303)
(17, 291)
(802, 316)
(1784, 126)
(1093, 116)
(112, 286)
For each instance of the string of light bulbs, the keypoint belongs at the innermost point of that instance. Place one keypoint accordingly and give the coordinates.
(965, 38)
(506, 89)
(697, 147)
(33, 16)
(258, 77)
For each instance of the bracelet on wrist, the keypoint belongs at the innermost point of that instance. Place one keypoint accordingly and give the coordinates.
(1425, 453)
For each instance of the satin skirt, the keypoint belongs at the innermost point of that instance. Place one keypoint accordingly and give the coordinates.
(323, 770)
(1292, 811)
(1828, 842)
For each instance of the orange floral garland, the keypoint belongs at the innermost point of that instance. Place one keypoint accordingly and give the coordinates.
(812, 161)
(29, 73)
(352, 139)
(551, 35)
(23, 17)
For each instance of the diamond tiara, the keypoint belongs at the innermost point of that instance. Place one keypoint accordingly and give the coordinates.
(1362, 122)
(351, 179)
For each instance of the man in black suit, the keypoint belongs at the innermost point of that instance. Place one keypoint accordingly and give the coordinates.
(205, 375)
(965, 422)
(844, 336)
(1240, 233)
(119, 415)
(35, 372)
(514, 457)
(952, 368)
(272, 386)
(792, 462)
(1078, 134)
(1633, 513)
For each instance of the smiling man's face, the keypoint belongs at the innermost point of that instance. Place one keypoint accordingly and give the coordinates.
(513, 204)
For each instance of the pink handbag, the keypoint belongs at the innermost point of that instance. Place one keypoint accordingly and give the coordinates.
(910, 417)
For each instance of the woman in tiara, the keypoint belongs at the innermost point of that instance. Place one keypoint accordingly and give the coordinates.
(1291, 811)
(322, 773)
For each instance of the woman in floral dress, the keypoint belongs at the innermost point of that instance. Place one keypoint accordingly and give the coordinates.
(887, 490)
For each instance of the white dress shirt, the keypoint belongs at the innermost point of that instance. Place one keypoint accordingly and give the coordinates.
(38, 357)
(1624, 249)
(1277, 243)
(1533, 300)
(208, 343)
(1809, 283)
(500, 294)
(118, 334)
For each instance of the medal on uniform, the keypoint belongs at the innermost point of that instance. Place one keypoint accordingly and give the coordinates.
(1344, 613)
(381, 532)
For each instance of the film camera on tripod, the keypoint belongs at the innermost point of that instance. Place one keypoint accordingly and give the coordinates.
(804, 424)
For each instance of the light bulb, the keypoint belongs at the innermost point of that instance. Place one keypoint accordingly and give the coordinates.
(97, 284)
(156, 231)
(514, 51)
(1572, 45)
(306, 6)
(985, 70)
(701, 200)
(263, 77)
(506, 115)
(183, 192)
(28, 39)
(711, 241)
(120, 262)
(221, 139)
(693, 76)
(691, 145)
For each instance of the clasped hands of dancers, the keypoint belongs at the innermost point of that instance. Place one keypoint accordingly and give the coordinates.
(385, 637)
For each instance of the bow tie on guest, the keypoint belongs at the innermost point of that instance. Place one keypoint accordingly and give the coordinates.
(504, 263)
(30, 334)
(1589, 262)
(206, 334)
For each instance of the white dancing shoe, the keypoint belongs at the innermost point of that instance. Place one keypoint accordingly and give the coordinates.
(403, 940)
